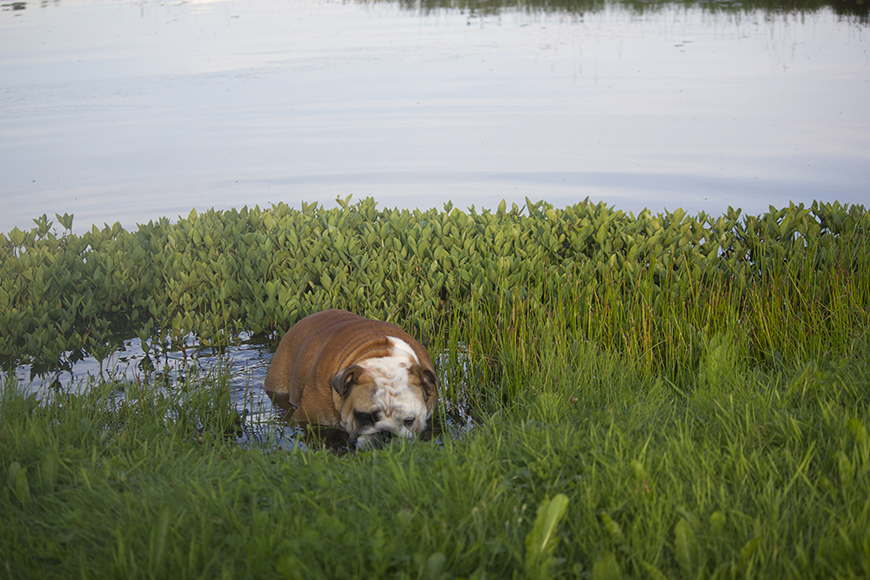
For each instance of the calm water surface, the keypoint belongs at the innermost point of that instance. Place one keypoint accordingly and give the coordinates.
(126, 111)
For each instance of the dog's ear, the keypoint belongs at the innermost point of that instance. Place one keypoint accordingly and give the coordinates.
(428, 382)
(344, 379)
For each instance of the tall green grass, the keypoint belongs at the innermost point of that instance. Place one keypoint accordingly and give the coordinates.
(753, 472)
(796, 308)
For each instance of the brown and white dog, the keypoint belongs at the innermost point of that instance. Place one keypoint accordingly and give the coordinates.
(366, 376)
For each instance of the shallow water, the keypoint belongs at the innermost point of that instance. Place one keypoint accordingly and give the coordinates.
(246, 363)
(115, 110)
(265, 421)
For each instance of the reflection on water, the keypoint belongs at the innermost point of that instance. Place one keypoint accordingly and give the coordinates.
(246, 363)
(859, 8)
(129, 111)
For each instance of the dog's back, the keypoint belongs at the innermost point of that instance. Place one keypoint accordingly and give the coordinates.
(317, 345)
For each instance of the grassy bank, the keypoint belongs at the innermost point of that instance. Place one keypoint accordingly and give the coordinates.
(656, 397)
(749, 474)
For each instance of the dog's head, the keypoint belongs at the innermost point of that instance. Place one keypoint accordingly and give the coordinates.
(383, 398)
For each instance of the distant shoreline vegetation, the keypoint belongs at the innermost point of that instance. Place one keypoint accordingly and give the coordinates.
(854, 8)
(655, 287)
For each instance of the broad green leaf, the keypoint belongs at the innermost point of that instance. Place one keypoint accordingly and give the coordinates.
(606, 568)
(686, 548)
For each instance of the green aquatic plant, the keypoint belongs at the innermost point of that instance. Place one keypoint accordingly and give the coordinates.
(653, 286)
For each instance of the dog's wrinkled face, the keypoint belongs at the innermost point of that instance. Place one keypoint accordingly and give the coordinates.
(383, 398)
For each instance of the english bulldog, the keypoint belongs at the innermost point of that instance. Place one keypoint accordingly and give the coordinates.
(366, 376)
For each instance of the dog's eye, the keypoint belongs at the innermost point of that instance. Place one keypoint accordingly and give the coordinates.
(364, 419)
(409, 422)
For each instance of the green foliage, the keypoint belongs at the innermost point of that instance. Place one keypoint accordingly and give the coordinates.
(593, 470)
(541, 541)
(655, 287)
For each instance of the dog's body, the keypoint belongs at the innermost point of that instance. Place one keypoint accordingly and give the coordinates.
(365, 376)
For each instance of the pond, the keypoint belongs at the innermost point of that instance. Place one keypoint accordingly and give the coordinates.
(115, 110)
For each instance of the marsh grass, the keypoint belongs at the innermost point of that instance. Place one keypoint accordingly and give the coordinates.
(795, 310)
(750, 472)
(664, 425)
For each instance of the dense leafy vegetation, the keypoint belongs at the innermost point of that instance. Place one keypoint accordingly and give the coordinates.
(657, 396)
(653, 286)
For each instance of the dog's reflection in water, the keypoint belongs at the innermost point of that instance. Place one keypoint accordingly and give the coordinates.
(329, 438)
